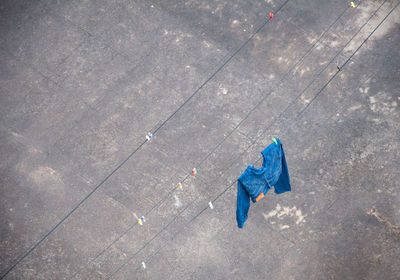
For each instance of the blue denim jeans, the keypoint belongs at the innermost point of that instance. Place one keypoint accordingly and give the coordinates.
(254, 183)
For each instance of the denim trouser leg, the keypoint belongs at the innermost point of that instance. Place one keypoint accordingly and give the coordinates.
(283, 183)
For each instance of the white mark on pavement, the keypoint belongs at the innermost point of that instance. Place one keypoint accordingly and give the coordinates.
(282, 212)
(177, 201)
(354, 108)
(235, 23)
(222, 90)
(372, 99)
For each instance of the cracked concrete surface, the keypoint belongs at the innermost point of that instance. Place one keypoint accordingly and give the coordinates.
(83, 82)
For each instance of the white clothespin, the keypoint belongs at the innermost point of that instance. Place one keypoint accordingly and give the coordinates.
(149, 136)
(143, 265)
(211, 205)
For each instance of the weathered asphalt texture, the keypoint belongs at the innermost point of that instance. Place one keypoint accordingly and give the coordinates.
(82, 82)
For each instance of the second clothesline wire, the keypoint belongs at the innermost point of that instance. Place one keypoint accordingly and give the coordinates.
(211, 152)
(278, 84)
(287, 128)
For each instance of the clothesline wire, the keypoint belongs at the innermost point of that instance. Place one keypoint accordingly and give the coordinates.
(286, 108)
(220, 143)
(254, 142)
(205, 158)
(21, 258)
(312, 81)
(295, 119)
(220, 68)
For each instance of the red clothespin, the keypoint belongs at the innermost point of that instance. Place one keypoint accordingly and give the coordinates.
(271, 15)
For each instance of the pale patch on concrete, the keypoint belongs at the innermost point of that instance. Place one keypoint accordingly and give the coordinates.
(283, 60)
(177, 202)
(334, 43)
(363, 90)
(125, 186)
(282, 212)
(319, 46)
(44, 173)
(181, 37)
(207, 44)
(369, 150)
(205, 6)
(222, 90)
(382, 103)
(372, 100)
(354, 108)
(218, 9)
(235, 23)
(310, 39)
(270, 214)
(284, 227)
(16, 135)
(305, 100)
(300, 216)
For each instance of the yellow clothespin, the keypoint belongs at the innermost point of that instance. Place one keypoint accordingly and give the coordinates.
(180, 186)
(352, 4)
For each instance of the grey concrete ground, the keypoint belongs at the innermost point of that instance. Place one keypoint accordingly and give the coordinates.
(82, 82)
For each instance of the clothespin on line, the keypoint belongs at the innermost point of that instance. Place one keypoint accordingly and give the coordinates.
(274, 140)
(144, 265)
(352, 4)
(140, 220)
(271, 15)
(149, 136)
(180, 186)
(210, 205)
